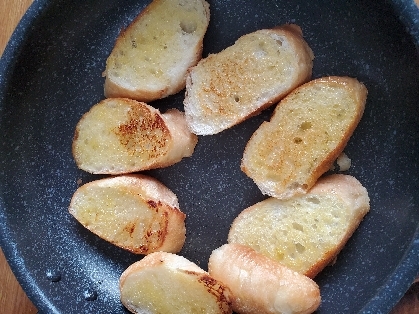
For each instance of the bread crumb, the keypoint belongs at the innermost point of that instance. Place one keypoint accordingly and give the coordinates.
(344, 162)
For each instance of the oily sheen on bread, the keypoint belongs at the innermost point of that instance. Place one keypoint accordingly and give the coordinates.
(164, 283)
(260, 285)
(120, 135)
(134, 212)
(150, 58)
(225, 88)
(306, 232)
(307, 132)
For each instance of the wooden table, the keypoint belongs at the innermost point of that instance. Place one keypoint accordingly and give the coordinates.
(12, 298)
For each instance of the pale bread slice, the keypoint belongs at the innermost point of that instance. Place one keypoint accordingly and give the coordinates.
(260, 285)
(304, 233)
(164, 283)
(150, 58)
(135, 212)
(226, 88)
(307, 132)
(120, 135)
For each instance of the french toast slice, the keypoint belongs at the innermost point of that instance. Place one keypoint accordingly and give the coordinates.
(135, 212)
(120, 135)
(261, 285)
(306, 232)
(308, 130)
(226, 88)
(151, 56)
(164, 283)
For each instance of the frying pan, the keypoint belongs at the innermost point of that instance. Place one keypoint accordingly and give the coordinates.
(51, 75)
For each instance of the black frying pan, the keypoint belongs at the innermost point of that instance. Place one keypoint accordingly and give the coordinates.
(51, 74)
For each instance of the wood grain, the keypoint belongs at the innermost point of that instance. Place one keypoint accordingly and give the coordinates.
(10, 11)
(409, 304)
(12, 297)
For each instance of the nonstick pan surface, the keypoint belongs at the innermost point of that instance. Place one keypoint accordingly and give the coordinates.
(51, 73)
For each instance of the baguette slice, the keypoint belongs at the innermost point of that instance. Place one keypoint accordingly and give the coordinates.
(226, 88)
(260, 285)
(134, 212)
(307, 132)
(150, 58)
(304, 233)
(167, 283)
(120, 135)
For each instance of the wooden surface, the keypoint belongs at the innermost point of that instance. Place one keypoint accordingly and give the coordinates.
(12, 298)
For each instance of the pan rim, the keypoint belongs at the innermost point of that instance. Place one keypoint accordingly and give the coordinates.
(386, 296)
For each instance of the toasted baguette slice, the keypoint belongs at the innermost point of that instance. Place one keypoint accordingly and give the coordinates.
(304, 233)
(307, 132)
(261, 285)
(164, 283)
(134, 212)
(226, 88)
(120, 135)
(150, 58)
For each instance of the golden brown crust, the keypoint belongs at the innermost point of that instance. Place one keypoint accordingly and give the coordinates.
(142, 119)
(134, 212)
(288, 154)
(120, 135)
(215, 97)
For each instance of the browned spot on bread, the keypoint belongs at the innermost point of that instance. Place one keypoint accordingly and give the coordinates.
(154, 236)
(156, 231)
(130, 128)
(130, 228)
(218, 290)
(144, 132)
(154, 205)
(76, 135)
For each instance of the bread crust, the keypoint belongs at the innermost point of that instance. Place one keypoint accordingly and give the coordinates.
(165, 270)
(135, 212)
(157, 259)
(260, 285)
(289, 171)
(274, 239)
(120, 135)
(350, 191)
(227, 88)
(166, 84)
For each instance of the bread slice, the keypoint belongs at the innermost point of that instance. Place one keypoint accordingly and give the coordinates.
(120, 135)
(164, 283)
(307, 132)
(150, 58)
(134, 212)
(304, 233)
(226, 88)
(261, 285)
